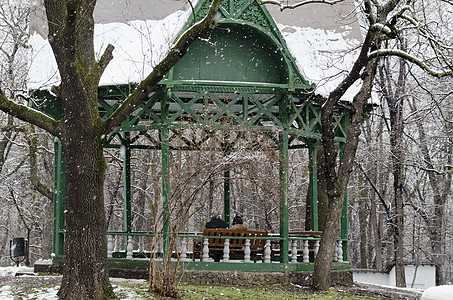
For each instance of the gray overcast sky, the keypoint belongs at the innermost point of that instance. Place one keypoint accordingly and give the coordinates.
(314, 15)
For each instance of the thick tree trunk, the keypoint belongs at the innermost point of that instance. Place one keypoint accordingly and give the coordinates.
(337, 180)
(321, 276)
(85, 274)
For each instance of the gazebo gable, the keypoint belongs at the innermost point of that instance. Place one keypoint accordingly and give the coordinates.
(246, 46)
(238, 75)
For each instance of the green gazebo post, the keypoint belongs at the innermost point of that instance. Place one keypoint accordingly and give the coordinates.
(313, 186)
(126, 152)
(283, 172)
(165, 152)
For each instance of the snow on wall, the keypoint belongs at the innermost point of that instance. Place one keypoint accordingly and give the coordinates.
(425, 276)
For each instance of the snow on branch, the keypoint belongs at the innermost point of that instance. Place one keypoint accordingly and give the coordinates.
(412, 59)
(283, 5)
(383, 28)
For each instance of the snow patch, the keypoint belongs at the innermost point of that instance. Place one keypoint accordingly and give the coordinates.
(441, 292)
(322, 56)
(11, 271)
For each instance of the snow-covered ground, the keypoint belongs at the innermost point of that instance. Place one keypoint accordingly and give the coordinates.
(42, 287)
(46, 287)
(442, 292)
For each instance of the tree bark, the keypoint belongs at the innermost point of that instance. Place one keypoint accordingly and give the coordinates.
(336, 181)
(85, 274)
(441, 187)
(363, 227)
(394, 96)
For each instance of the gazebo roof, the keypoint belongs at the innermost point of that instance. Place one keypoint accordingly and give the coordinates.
(320, 55)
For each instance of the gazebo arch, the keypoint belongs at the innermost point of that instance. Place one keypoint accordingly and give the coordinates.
(239, 76)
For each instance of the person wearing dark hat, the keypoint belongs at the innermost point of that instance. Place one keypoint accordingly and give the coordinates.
(216, 221)
(238, 223)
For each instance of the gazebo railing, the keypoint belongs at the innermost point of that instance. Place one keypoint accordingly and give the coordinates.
(302, 249)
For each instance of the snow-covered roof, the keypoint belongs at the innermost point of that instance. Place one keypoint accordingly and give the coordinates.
(139, 45)
(321, 55)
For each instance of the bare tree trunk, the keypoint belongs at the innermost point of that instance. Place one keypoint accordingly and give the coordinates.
(337, 181)
(440, 183)
(323, 199)
(85, 274)
(394, 96)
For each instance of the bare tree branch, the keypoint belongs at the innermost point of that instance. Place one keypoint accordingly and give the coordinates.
(412, 59)
(28, 115)
(283, 5)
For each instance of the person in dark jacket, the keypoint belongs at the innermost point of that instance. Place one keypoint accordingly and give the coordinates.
(216, 222)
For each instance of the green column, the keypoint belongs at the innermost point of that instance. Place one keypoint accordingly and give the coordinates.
(127, 182)
(313, 186)
(344, 227)
(344, 217)
(283, 172)
(165, 151)
(226, 195)
(58, 200)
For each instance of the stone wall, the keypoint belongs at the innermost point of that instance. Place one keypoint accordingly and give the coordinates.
(236, 278)
(245, 279)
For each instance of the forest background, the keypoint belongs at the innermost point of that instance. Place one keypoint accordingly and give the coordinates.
(410, 127)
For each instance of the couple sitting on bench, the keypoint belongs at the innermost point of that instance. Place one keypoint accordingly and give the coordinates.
(217, 222)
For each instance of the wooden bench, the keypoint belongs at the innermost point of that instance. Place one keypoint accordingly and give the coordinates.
(216, 244)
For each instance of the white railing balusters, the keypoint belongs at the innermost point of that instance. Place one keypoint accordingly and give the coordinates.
(117, 244)
(267, 252)
(141, 244)
(247, 251)
(205, 256)
(340, 251)
(184, 250)
(130, 247)
(294, 252)
(335, 253)
(306, 257)
(158, 247)
(226, 250)
(109, 245)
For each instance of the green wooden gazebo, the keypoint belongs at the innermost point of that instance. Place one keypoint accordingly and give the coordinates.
(239, 76)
